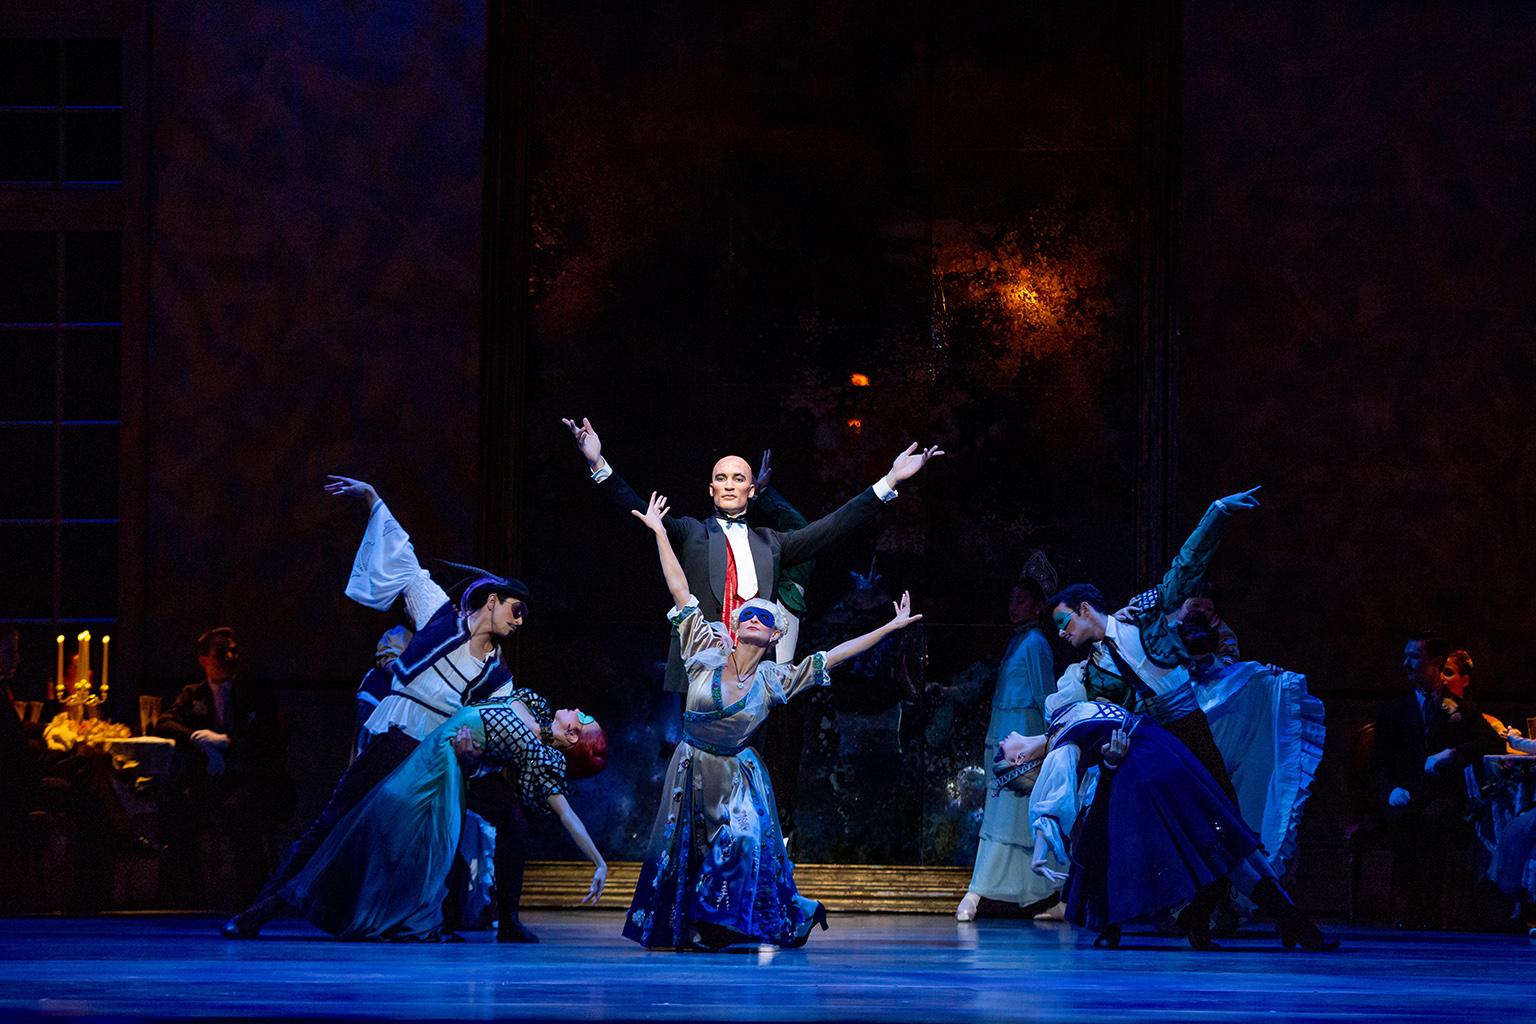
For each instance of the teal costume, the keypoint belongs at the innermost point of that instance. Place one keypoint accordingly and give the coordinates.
(382, 873)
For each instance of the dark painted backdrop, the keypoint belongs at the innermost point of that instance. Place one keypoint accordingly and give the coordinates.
(314, 296)
(1356, 267)
(1357, 247)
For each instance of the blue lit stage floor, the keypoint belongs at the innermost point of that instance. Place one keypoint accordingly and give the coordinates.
(867, 968)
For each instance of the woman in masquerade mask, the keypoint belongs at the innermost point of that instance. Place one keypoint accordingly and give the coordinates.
(382, 873)
(1160, 835)
(716, 872)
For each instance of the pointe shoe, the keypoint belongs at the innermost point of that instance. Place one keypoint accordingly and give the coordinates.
(966, 911)
(1109, 938)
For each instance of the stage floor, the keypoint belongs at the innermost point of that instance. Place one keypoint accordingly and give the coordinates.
(869, 967)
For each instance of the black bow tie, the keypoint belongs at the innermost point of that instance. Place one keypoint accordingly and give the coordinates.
(724, 516)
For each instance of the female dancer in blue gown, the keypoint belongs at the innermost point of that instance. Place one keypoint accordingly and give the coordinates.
(716, 872)
(1159, 835)
(382, 873)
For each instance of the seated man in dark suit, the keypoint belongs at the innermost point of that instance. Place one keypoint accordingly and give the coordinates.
(726, 561)
(229, 769)
(1425, 739)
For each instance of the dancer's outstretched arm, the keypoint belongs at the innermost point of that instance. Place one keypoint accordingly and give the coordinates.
(654, 517)
(584, 843)
(859, 644)
(386, 566)
(1194, 557)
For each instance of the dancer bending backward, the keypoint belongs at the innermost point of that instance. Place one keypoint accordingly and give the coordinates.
(382, 873)
(1160, 835)
(716, 871)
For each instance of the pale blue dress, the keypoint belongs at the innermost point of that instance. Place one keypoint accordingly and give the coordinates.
(1006, 847)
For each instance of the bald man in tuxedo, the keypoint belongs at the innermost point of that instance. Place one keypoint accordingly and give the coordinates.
(727, 561)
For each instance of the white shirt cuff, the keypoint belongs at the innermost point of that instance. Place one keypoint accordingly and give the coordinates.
(602, 473)
(883, 490)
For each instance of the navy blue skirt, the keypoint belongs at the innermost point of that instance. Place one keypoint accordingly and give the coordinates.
(1159, 830)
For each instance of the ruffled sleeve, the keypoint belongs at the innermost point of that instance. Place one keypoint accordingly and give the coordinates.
(695, 635)
(1070, 689)
(1055, 794)
(785, 681)
(386, 567)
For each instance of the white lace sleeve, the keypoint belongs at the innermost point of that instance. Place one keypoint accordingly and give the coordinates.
(386, 566)
(1055, 794)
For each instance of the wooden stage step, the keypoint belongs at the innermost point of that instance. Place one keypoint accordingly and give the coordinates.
(881, 887)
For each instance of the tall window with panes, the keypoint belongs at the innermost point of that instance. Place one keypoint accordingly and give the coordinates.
(61, 331)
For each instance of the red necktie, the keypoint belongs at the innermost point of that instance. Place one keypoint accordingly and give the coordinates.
(732, 600)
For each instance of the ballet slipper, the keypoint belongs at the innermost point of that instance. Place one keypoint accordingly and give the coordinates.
(966, 911)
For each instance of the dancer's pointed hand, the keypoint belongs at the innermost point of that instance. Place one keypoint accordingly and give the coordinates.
(586, 440)
(595, 890)
(1048, 847)
(345, 485)
(903, 608)
(764, 469)
(654, 513)
(1244, 500)
(910, 461)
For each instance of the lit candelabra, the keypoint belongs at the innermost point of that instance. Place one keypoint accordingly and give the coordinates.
(75, 693)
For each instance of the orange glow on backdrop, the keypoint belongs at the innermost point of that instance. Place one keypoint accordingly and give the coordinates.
(858, 380)
(856, 425)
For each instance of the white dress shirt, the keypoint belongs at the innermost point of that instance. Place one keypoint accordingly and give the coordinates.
(1127, 640)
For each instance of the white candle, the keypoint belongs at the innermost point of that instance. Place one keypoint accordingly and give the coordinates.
(105, 641)
(58, 678)
(83, 655)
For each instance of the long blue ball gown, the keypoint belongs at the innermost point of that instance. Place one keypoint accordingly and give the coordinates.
(1159, 829)
(715, 868)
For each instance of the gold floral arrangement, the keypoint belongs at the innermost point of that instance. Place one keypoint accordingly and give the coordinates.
(64, 733)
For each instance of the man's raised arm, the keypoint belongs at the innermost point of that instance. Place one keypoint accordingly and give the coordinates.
(1194, 558)
(611, 486)
(807, 543)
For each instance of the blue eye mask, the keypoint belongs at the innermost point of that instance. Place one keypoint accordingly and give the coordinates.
(762, 615)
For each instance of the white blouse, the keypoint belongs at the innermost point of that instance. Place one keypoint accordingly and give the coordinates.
(385, 568)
